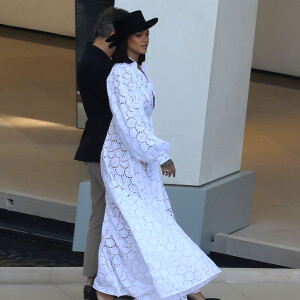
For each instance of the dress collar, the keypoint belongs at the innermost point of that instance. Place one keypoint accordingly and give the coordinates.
(135, 65)
(134, 62)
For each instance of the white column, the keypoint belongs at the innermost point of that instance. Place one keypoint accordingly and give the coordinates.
(199, 60)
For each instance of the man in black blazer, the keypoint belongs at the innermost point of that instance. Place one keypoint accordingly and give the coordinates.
(92, 72)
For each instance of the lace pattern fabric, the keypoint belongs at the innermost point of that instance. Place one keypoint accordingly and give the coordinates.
(143, 252)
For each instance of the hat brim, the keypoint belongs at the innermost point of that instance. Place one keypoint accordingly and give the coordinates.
(151, 23)
(116, 38)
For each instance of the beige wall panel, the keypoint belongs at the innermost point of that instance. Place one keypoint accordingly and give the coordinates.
(55, 16)
(277, 38)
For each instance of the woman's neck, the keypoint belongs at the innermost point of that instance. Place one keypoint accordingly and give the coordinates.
(134, 55)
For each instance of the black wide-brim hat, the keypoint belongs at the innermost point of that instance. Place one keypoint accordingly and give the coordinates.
(126, 25)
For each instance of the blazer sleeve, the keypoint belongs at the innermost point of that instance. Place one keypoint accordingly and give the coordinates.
(130, 118)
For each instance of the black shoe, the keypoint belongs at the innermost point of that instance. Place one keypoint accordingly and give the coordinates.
(93, 294)
(86, 291)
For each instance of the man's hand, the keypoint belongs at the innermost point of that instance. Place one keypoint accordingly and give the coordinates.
(168, 168)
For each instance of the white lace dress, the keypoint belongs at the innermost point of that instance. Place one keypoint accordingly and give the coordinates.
(143, 253)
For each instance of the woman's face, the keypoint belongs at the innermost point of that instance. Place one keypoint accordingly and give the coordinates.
(138, 42)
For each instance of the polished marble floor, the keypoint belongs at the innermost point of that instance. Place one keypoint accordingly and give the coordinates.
(232, 284)
(38, 134)
(272, 149)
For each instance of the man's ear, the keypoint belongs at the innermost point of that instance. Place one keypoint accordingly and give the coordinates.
(111, 33)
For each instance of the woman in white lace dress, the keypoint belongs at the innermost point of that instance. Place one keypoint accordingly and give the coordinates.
(143, 253)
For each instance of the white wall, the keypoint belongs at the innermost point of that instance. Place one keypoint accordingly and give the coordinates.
(277, 40)
(199, 60)
(55, 16)
(179, 63)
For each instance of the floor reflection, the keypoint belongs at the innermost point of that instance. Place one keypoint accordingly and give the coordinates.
(18, 250)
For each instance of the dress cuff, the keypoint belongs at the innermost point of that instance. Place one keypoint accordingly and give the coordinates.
(163, 157)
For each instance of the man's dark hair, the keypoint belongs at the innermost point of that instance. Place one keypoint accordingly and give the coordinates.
(120, 55)
(104, 25)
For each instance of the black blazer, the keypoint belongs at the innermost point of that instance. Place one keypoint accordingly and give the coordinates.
(92, 72)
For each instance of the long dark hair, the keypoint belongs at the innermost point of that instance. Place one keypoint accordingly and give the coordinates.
(120, 55)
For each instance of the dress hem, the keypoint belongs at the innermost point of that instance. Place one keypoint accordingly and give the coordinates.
(191, 290)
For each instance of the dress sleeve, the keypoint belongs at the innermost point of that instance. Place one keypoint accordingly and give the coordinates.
(130, 118)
